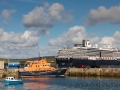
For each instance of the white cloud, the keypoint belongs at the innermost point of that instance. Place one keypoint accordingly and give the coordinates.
(74, 35)
(48, 50)
(94, 40)
(113, 41)
(38, 21)
(1, 31)
(116, 37)
(102, 14)
(1, 49)
(37, 18)
(106, 41)
(28, 38)
(68, 19)
(6, 14)
(43, 18)
(17, 41)
(55, 11)
(24, 45)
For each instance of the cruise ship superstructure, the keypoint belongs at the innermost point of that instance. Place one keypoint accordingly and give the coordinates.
(85, 54)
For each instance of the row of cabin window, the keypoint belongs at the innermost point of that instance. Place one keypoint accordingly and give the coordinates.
(10, 78)
(43, 65)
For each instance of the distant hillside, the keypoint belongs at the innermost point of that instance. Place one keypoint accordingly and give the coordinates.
(47, 57)
(22, 61)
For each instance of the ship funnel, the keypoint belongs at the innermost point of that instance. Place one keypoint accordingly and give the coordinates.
(100, 54)
(86, 43)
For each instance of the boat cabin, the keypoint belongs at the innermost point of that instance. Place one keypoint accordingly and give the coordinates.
(10, 78)
(38, 65)
(13, 80)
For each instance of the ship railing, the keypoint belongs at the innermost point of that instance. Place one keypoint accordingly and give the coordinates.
(80, 58)
(107, 58)
(63, 58)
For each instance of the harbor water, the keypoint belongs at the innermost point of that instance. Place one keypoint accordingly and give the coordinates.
(64, 83)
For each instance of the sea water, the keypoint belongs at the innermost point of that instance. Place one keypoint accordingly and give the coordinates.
(64, 83)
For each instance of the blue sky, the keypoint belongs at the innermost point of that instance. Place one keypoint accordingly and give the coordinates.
(30, 26)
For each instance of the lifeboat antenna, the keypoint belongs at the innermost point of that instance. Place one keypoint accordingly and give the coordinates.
(39, 56)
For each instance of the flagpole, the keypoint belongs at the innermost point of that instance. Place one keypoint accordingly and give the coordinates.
(8, 55)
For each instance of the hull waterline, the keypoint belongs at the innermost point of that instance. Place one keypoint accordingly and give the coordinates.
(43, 73)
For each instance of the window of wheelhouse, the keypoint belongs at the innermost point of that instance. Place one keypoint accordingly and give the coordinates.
(37, 65)
(27, 64)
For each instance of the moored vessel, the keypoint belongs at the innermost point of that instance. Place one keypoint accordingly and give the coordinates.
(13, 80)
(86, 55)
(41, 68)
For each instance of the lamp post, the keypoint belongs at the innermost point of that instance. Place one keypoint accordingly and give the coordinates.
(8, 55)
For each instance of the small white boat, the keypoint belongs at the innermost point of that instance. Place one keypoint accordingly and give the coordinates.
(13, 80)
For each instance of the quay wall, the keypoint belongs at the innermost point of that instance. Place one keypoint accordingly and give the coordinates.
(93, 72)
(8, 72)
(114, 72)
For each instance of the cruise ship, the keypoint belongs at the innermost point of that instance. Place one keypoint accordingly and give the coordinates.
(85, 55)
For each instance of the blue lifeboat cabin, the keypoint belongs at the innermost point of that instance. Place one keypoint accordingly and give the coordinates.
(13, 64)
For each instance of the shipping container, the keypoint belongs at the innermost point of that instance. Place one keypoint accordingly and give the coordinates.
(13, 64)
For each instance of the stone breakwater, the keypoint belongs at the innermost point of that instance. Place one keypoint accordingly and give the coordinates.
(93, 72)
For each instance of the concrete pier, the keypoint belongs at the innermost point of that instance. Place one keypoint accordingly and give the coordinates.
(93, 72)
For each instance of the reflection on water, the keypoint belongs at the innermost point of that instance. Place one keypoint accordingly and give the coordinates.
(67, 83)
(72, 83)
(12, 87)
(36, 83)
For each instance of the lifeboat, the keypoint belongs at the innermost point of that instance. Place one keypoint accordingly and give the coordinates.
(40, 67)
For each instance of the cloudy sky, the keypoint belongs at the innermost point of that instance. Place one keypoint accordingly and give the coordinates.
(28, 27)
